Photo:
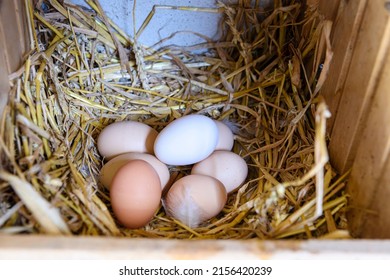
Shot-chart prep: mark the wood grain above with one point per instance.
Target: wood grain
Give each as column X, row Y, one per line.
column 344, row 35
column 329, row 8
column 20, row 10
column 9, row 21
column 99, row 248
column 369, row 185
column 366, row 64
column 13, row 42
column 377, row 224
column 4, row 69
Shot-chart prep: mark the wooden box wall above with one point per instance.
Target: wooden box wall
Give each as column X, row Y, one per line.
column 357, row 91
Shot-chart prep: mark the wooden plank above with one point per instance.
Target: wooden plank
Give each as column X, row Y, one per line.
column 9, row 21
column 99, row 248
column 14, row 42
column 364, row 70
column 344, row 35
column 329, row 8
column 369, row 185
column 20, row 10
column 377, row 224
column 4, row 81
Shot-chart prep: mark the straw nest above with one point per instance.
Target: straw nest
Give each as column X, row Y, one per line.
column 262, row 76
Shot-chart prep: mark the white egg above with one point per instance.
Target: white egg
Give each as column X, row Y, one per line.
column 186, row 140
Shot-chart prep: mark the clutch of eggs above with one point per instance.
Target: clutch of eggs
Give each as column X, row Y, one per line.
column 137, row 173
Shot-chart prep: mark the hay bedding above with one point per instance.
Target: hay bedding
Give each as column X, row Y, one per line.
column 262, row 78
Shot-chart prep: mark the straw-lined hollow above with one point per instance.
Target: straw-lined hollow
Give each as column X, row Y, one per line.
column 260, row 76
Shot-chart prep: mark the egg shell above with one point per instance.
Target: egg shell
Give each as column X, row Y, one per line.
column 226, row 166
column 194, row 199
column 135, row 194
column 186, row 140
column 225, row 137
column 110, row 168
column 127, row 136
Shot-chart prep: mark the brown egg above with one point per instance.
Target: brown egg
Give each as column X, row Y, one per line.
column 226, row 137
column 135, row 193
column 124, row 137
column 194, row 199
column 109, row 170
column 227, row 167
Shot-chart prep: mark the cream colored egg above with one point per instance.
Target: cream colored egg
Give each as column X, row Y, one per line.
column 226, row 137
column 110, row 168
column 135, row 194
column 226, row 166
column 194, row 199
column 124, row 137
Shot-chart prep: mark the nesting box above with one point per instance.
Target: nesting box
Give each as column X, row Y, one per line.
column 357, row 93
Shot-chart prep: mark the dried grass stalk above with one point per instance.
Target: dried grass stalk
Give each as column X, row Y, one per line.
column 262, row 78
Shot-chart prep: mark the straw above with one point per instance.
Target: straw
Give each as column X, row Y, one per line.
column 84, row 72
